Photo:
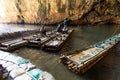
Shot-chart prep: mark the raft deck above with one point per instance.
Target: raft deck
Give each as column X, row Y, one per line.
column 82, row 61
column 57, row 43
column 38, row 40
column 12, row 44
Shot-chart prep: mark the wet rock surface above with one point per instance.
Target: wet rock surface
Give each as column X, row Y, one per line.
column 54, row 11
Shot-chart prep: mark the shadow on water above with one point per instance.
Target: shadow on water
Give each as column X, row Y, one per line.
column 83, row 36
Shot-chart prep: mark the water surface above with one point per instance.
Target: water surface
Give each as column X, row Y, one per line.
column 83, row 36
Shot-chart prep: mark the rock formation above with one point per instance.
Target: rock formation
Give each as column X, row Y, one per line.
column 54, row 11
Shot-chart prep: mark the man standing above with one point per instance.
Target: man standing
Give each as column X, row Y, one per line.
column 65, row 22
column 65, row 25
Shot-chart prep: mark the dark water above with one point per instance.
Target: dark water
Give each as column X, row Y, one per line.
column 83, row 36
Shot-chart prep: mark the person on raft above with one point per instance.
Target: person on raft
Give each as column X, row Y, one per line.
column 65, row 25
column 43, row 30
column 58, row 28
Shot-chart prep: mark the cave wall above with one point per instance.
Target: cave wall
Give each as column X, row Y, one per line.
column 54, row 11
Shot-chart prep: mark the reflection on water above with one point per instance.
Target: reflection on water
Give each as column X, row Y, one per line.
column 84, row 36
column 107, row 69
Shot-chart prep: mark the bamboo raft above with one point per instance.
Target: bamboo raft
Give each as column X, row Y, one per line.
column 12, row 44
column 57, row 43
column 11, row 41
column 16, row 68
column 38, row 40
column 84, row 60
